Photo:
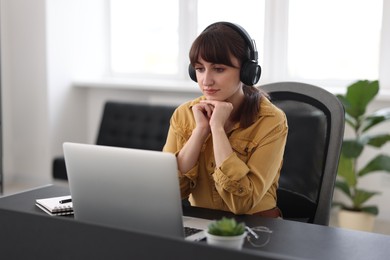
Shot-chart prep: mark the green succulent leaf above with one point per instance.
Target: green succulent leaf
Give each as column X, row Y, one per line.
column 375, row 118
column 359, row 95
column 380, row 163
column 226, row 227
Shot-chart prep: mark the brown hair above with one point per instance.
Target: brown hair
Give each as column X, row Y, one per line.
column 216, row 44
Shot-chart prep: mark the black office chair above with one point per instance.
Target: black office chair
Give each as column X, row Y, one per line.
column 128, row 125
column 316, row 128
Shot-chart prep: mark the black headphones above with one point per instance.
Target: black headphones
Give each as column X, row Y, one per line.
column 250, row 69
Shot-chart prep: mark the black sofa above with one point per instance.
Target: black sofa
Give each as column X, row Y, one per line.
column 128, row 125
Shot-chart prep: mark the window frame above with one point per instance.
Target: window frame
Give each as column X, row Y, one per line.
column 275, row 52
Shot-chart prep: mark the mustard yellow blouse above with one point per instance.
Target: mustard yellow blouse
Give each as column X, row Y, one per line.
column 246, row 182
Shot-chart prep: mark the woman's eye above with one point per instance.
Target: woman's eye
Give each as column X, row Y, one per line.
column 199, row 69
column 219, row 69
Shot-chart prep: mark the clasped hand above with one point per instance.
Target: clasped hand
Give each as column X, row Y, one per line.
column 210, row 113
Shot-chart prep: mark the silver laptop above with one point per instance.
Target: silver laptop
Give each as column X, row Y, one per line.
column 129, row 189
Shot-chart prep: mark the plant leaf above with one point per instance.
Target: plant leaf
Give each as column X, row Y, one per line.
column 353, row 148
column 377, row 140
column 343, row 100
column 361, row 196
column 343, row 186
column 226, row 227
column 370, row 209
column 359, row 94
column 375, row 118
column 380, row 163
column 350, row 121
column 346, row 170
column 338, row 204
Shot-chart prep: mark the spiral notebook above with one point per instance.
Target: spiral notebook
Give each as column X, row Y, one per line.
column 56, row 206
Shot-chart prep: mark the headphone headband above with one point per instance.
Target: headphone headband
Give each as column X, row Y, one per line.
column 250, row 69
column 253, row 55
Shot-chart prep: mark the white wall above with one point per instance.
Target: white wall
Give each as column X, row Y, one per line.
column 24, row 86
column 45, row 45
column 75, row 48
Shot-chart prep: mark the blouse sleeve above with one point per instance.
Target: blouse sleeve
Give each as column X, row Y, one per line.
column 175, row 142
column 243, row 184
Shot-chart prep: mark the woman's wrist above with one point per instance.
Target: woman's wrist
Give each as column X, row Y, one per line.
column 201, row 132
column 217, row 130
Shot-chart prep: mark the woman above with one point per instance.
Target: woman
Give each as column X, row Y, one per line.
column 229, row 142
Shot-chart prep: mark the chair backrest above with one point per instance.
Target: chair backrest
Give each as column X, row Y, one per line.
column 132, row 125
column 316, row 129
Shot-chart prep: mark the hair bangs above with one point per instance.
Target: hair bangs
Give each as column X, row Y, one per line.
column 211, row 48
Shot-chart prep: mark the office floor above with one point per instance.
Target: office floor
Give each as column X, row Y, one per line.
column 381, row 226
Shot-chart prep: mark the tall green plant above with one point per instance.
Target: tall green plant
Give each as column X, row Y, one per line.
column 355, row 101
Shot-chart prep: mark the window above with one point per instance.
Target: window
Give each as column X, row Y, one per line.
column 144, row 40
column 334, row 39
column 236, row 12
column 324, row 40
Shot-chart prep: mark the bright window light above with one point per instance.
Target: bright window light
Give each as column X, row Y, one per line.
column 334, row 39
column 321, row 41
column 247, row 13
column 144, row 37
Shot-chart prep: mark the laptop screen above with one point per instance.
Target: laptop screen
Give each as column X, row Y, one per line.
column 125, row 188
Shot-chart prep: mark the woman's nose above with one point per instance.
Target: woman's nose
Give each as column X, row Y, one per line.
column 207, row 79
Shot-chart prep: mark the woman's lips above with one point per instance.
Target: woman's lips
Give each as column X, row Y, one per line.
column 210, row 91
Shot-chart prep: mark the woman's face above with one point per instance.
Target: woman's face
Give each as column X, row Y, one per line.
column 218, row 81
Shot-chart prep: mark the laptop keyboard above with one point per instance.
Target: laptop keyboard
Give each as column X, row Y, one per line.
column 188, row 231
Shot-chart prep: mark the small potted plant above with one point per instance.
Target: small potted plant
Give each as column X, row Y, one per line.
column 357, row 214
column 226, row 232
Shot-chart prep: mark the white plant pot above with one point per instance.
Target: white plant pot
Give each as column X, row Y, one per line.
column 235, row 242
column 356, row 220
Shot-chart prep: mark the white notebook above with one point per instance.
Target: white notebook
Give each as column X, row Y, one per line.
column 56, row 206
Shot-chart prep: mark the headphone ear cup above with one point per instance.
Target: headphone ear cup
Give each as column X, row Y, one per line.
column 250, row 73
column 192, row 73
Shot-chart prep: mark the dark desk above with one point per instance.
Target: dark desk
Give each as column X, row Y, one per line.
column 26, row 232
